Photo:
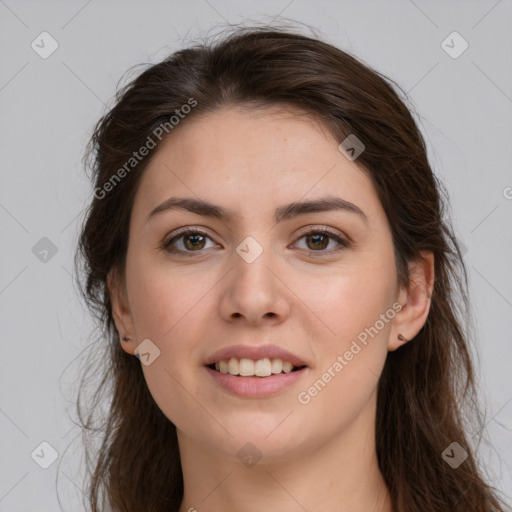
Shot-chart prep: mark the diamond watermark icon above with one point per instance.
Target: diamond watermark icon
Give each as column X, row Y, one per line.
column 146, row 352
column 44, row 45
column 249, row 249
column 44, row 250
column 351, row 147
column 454, row 45
column 249, row 454
column 44, row 455
column 455, row 455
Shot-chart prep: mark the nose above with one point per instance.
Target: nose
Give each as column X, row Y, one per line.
column 254, row 293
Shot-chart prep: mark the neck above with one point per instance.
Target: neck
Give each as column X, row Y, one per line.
column 339, row 474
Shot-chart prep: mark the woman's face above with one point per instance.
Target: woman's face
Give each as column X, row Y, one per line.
column 255, row 280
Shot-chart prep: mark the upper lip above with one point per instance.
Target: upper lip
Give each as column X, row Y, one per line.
column 255, row 353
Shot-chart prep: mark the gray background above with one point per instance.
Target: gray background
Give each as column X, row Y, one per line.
column 48, row 108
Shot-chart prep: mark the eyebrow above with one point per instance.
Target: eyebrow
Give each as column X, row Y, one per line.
column 283, row 213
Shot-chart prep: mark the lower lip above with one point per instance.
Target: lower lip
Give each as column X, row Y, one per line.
column 256, row 387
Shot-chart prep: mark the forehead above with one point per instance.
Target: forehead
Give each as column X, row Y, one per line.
column 245, row 159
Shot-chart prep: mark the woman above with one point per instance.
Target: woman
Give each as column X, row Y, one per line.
column 267, row 239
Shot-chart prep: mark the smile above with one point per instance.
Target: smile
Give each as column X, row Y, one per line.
column 252, row 385
column 249, row 368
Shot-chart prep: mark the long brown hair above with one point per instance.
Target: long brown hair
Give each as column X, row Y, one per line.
column 427, row 398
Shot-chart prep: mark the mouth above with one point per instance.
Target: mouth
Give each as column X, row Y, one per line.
column 255, row 371
column 261, row 368
column 258, row 379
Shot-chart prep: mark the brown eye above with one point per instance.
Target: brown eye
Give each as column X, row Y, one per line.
column 187, row 242
column 319, row 239
column 194, row 241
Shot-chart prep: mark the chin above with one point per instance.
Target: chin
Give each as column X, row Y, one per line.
column 274, row 440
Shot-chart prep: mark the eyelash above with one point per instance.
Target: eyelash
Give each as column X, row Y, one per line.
column 167, row 246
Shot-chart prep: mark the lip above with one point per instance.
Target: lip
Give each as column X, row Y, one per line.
column 254, row 353
column 256, row 387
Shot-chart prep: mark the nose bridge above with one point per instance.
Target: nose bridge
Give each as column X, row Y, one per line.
column 254, row 290
column 252, row 264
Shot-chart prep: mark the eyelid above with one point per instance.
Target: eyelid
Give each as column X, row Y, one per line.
column 184, row 230
column 343, row 240
column 321, row 228
column 179, row 233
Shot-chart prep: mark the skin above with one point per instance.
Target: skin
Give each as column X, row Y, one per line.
column 315, row 456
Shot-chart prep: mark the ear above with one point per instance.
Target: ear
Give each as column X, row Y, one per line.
column 415, row 301
column 121, row 311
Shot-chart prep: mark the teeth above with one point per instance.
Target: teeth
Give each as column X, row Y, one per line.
column 248, row 368
column 233, row 366
column 262, row 367
column 287, row 366
column 277, row 365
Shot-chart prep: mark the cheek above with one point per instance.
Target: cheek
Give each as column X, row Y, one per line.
column 162, row 300
column 349, row 365
column 355, row 309
column 168, row 310
column 349, row 301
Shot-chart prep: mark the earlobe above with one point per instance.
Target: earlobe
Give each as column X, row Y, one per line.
column 415, row 300
column 121, row 311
